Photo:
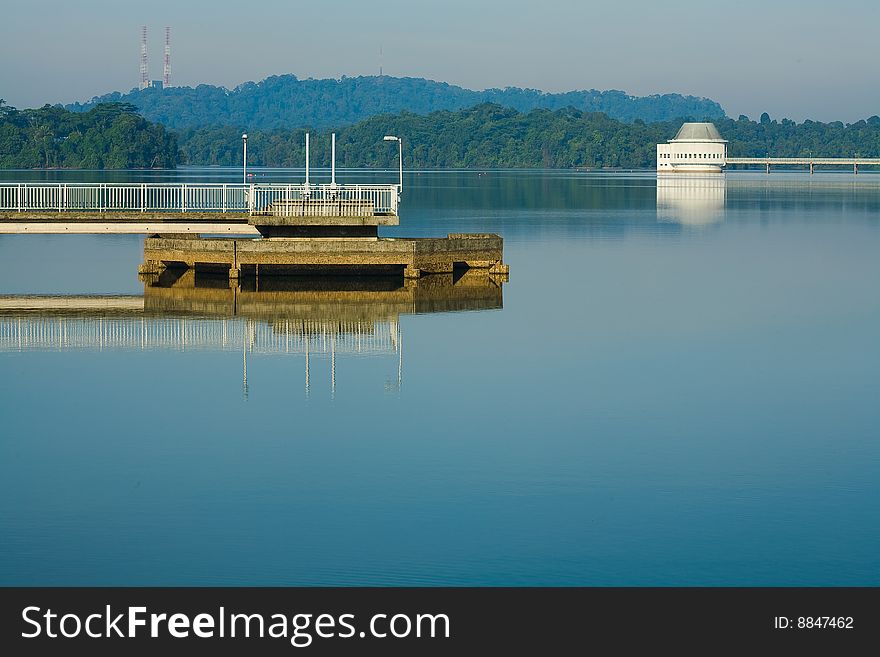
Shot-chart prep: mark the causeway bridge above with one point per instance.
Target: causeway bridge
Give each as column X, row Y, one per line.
column 811, row 162
column 219, row 208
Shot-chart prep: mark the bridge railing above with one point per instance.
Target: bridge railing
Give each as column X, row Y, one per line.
column 269, row 199
column 867, row 161
column 183, row 197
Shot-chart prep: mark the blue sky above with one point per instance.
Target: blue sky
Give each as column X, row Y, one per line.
column 801, row 59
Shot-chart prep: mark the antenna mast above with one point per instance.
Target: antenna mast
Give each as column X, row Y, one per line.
column 166, row 78
column 145, row 80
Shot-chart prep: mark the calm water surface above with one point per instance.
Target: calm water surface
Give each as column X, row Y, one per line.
column 681, row 388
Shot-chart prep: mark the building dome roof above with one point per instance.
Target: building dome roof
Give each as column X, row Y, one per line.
column 698, row 132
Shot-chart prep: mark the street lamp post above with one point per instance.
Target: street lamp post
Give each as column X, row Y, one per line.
column 244, row 159
column 307, row 164
column 400, row 155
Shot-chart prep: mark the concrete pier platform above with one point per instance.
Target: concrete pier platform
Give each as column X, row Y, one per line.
column 409, row 256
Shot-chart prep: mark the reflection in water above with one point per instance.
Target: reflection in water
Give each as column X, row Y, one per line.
column 691, row 199
column 187, row 310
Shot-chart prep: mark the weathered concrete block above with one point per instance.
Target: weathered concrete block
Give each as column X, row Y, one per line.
column 429, row 255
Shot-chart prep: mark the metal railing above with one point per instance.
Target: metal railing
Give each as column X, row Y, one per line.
column 184, row 197
column 866, row 161
column 270, row 199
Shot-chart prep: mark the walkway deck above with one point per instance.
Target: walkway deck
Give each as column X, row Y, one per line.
column 222, row 209
column 811, row 162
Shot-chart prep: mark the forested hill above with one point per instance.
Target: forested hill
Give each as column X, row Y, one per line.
column 287, row 102
column 109, row 136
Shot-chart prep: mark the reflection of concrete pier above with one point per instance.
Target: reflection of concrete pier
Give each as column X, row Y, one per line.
column 183, row 310
column 342, row 300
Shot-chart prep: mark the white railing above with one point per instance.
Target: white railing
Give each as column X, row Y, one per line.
column 866, row 161
column 267, row 199
column 184, row 197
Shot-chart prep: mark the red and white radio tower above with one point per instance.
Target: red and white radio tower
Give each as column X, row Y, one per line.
column 166, row 79
column 145, row 79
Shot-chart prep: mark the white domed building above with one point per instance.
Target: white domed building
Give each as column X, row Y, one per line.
column 697, row 148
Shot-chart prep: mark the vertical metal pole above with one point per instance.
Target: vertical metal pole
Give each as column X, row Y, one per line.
column 307, row 163
column 244, row 159
column 400, row 153
column 333, row 159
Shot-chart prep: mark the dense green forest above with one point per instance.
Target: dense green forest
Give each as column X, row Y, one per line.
column 786, row 138
column 108, row 136
column 484, row 136
column 114, row 136
column 490, row 136
column 287, row 102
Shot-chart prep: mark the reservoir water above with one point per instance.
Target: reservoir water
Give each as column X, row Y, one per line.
column 677, row 386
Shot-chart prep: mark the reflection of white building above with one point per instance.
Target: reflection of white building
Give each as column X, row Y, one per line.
column 697, row 148
column 692, row 200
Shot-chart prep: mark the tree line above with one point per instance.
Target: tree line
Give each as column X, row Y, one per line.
column 108, row 136
column 491, row 136
column 488, row 135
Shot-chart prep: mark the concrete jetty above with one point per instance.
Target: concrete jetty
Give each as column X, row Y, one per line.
column 410, row 257
column 301, row 235
column 248, row 229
